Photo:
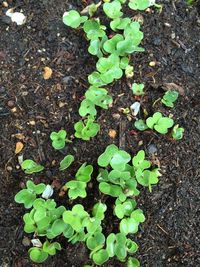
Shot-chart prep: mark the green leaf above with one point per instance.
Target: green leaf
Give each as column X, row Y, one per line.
column 73, row 19
column 139, row 5
column 140, row 125
column 87, row 107
column 108, row 189
column 37, row 255
column 99, row 210
column 99, row 96
column 151, row 121
column 110, row 245
column 132, row 247
column 87, row 129
column 138, row 89
column 58, row 227
column 95, row 79
column 119, row 23
column 177, row 132
column 93, row 29
column 95, row 240
column 119, row 160
column 104, row 159
column 66, row 162
column 58, row 139
column 30, row 166
column 25, row 197
column 51, row 248
column 113, row 9
column 128, row 226
column 100, row 257
column 139, row 161
column 110, row 46
column 76, row 189
column 169, row 98
column 138, row 215
column 84, row 173
column 133, row 262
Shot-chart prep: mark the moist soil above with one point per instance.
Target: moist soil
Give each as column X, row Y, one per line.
column 31, row 108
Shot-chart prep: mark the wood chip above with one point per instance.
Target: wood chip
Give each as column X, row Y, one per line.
column 19, row 147
column 47, row 73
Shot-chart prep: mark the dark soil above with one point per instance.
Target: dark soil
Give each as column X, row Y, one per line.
column 33, row 107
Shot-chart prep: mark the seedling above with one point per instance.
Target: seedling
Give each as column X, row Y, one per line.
column 86, row 129
column 118, row 179
column 114, row 157
column 27, row 196
column 138, row 89
column 113, row 9
column 129, row 71
column 39, row 255
column 58, row 139
column 140, row 125
column 94, row 29
column 177, row 132
column 99, row 96
column 133, row 262
column 169, row 98
column 66, row 162
column 144, row 4
column 29, row 166
column 77, row 188
column 159, row 123
column 73, row 19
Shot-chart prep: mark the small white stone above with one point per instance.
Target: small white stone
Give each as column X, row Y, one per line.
column 135, row 108
column 17, row 17
column 36, row 243
column 48, row 192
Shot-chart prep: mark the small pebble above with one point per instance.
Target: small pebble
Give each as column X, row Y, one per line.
column 11, row 103
column 152, row 149
column 26, row 241
column 9, row 168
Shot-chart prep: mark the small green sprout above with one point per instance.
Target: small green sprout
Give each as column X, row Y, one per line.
column 28, row 196
column 142, row 5
column 100, row 257
column 94, row 29
column 86, row 129
column 77, row 188
column 124, row 209
column 159, row 123
column 133, row 262
column 138, row 89
column 140, row 125
column 58, row 139
column 39, row 255
column 29, row 166
column 177, row 132
column 129, row 71
column 98, row 210
column 169, row 98
column 113, row 9
column 66, row 162
column 115, row 157
column 73, row 19
column 109, row 68
column 119, row 23
column 96, row 46
column 99, row 97
column 75, row 217
column 87, row 107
